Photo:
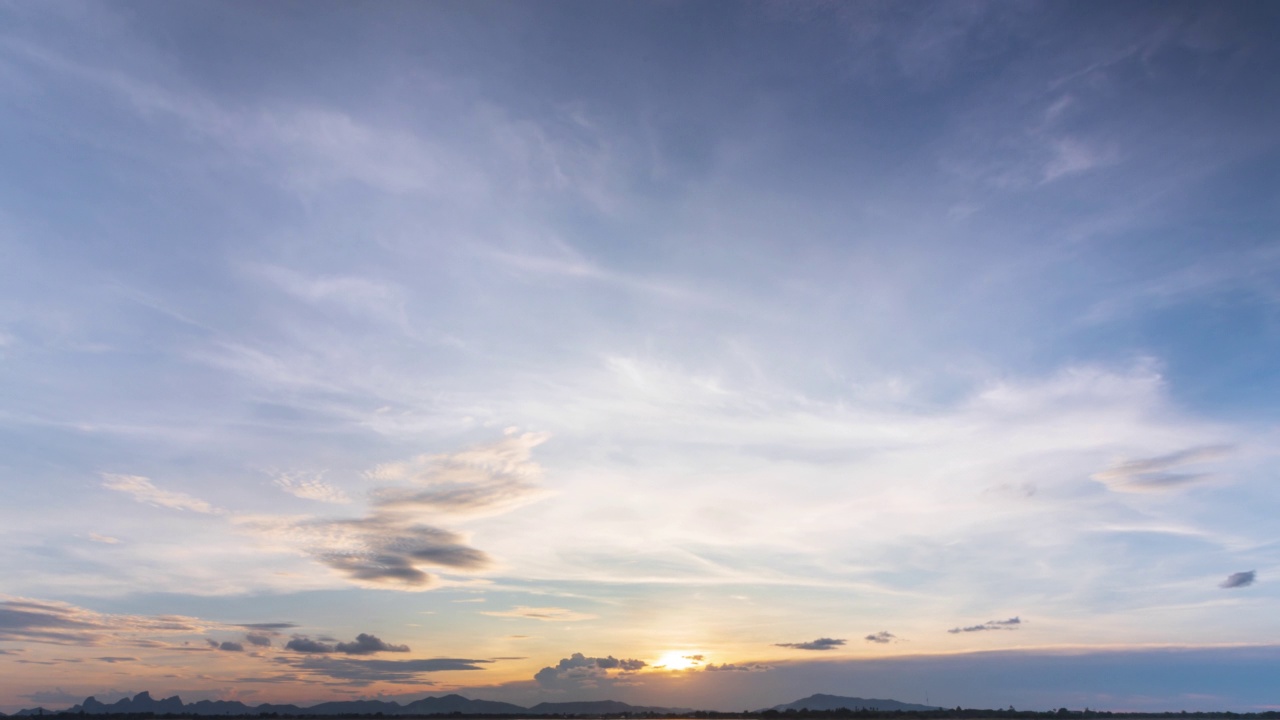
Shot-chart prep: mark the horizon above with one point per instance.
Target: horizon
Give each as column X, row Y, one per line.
column 680, row 353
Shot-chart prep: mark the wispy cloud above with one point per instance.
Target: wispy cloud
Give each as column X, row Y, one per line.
column 142, row 490
column 883, row 637
column 545, row 614
column 1152, row 474
column 311, row 487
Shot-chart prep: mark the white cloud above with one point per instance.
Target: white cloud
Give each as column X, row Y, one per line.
column 142, row 490
column 311, row 487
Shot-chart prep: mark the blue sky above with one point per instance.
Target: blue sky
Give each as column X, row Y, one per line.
column 681, row 333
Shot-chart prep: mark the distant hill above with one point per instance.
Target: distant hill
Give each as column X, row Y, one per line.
column 443, row 705
column 595, row 707
column 837, row 702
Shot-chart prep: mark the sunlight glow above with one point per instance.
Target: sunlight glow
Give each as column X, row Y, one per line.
column 677, row 660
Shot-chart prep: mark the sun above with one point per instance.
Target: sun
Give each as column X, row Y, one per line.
column 678, row 660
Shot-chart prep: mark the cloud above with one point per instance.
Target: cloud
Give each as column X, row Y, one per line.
column 729, row 667
column 1011, row 624
column 578, row 670
column 311, row 488
column 27, row 620
column 1238, row 580
column 113, row 659
column 364, row 672
column 55, row 696
column 366, row 644
column 267, row 626
column 395, row 545
column 307, row 645
column 1151, row 474
column 484, row 480
column 884, row 636
column 257, row 640
column 144, row 491
column 230, row 646
column 545, row 614
column 819, row 644
column 104, row 539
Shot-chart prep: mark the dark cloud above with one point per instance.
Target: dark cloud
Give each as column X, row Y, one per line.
column 257, row 640
column 393, row 552
column 819, row 644
column 116, row 659
column 364, row 672
column 882, row 637
column 390, row 547
column 366, row 644
column 1152, row 474
column 1240, row 579
column 1010, row 624
column 578, row 670
column 307, row 645
column 229, row 646
column 729, row 667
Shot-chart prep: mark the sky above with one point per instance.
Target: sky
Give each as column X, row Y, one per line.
column 693, row 354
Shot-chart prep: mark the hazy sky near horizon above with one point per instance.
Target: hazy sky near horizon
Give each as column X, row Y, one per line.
column 695, row 353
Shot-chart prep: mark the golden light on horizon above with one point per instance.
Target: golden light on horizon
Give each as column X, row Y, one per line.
column 677, row 660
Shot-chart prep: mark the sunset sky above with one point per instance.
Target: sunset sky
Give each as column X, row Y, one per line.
column 698, row 354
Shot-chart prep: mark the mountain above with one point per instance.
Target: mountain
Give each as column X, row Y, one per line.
column 443, row 705
column 837, row 702
column 456, row 703
column 140, row 703
column 595, row 707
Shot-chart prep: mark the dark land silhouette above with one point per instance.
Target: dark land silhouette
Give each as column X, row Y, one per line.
column 815, row 707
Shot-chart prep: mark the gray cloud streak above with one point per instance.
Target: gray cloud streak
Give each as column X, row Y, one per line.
column 823, row 643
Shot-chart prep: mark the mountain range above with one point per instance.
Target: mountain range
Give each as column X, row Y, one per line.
column 444, row 705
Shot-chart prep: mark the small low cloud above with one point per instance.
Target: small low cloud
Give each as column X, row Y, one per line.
column 104, row 539
column 1239, row 580
column 823, row 643
column 1155, row 474
column 229, row 646
column 579, row 671
column 113, row 659
column 1012, row 623
column 730, row 667
column 366, row 644
column 307, row 645
column 142, row 490
column 545, row 614
column 882, row 637
column 257, row 640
